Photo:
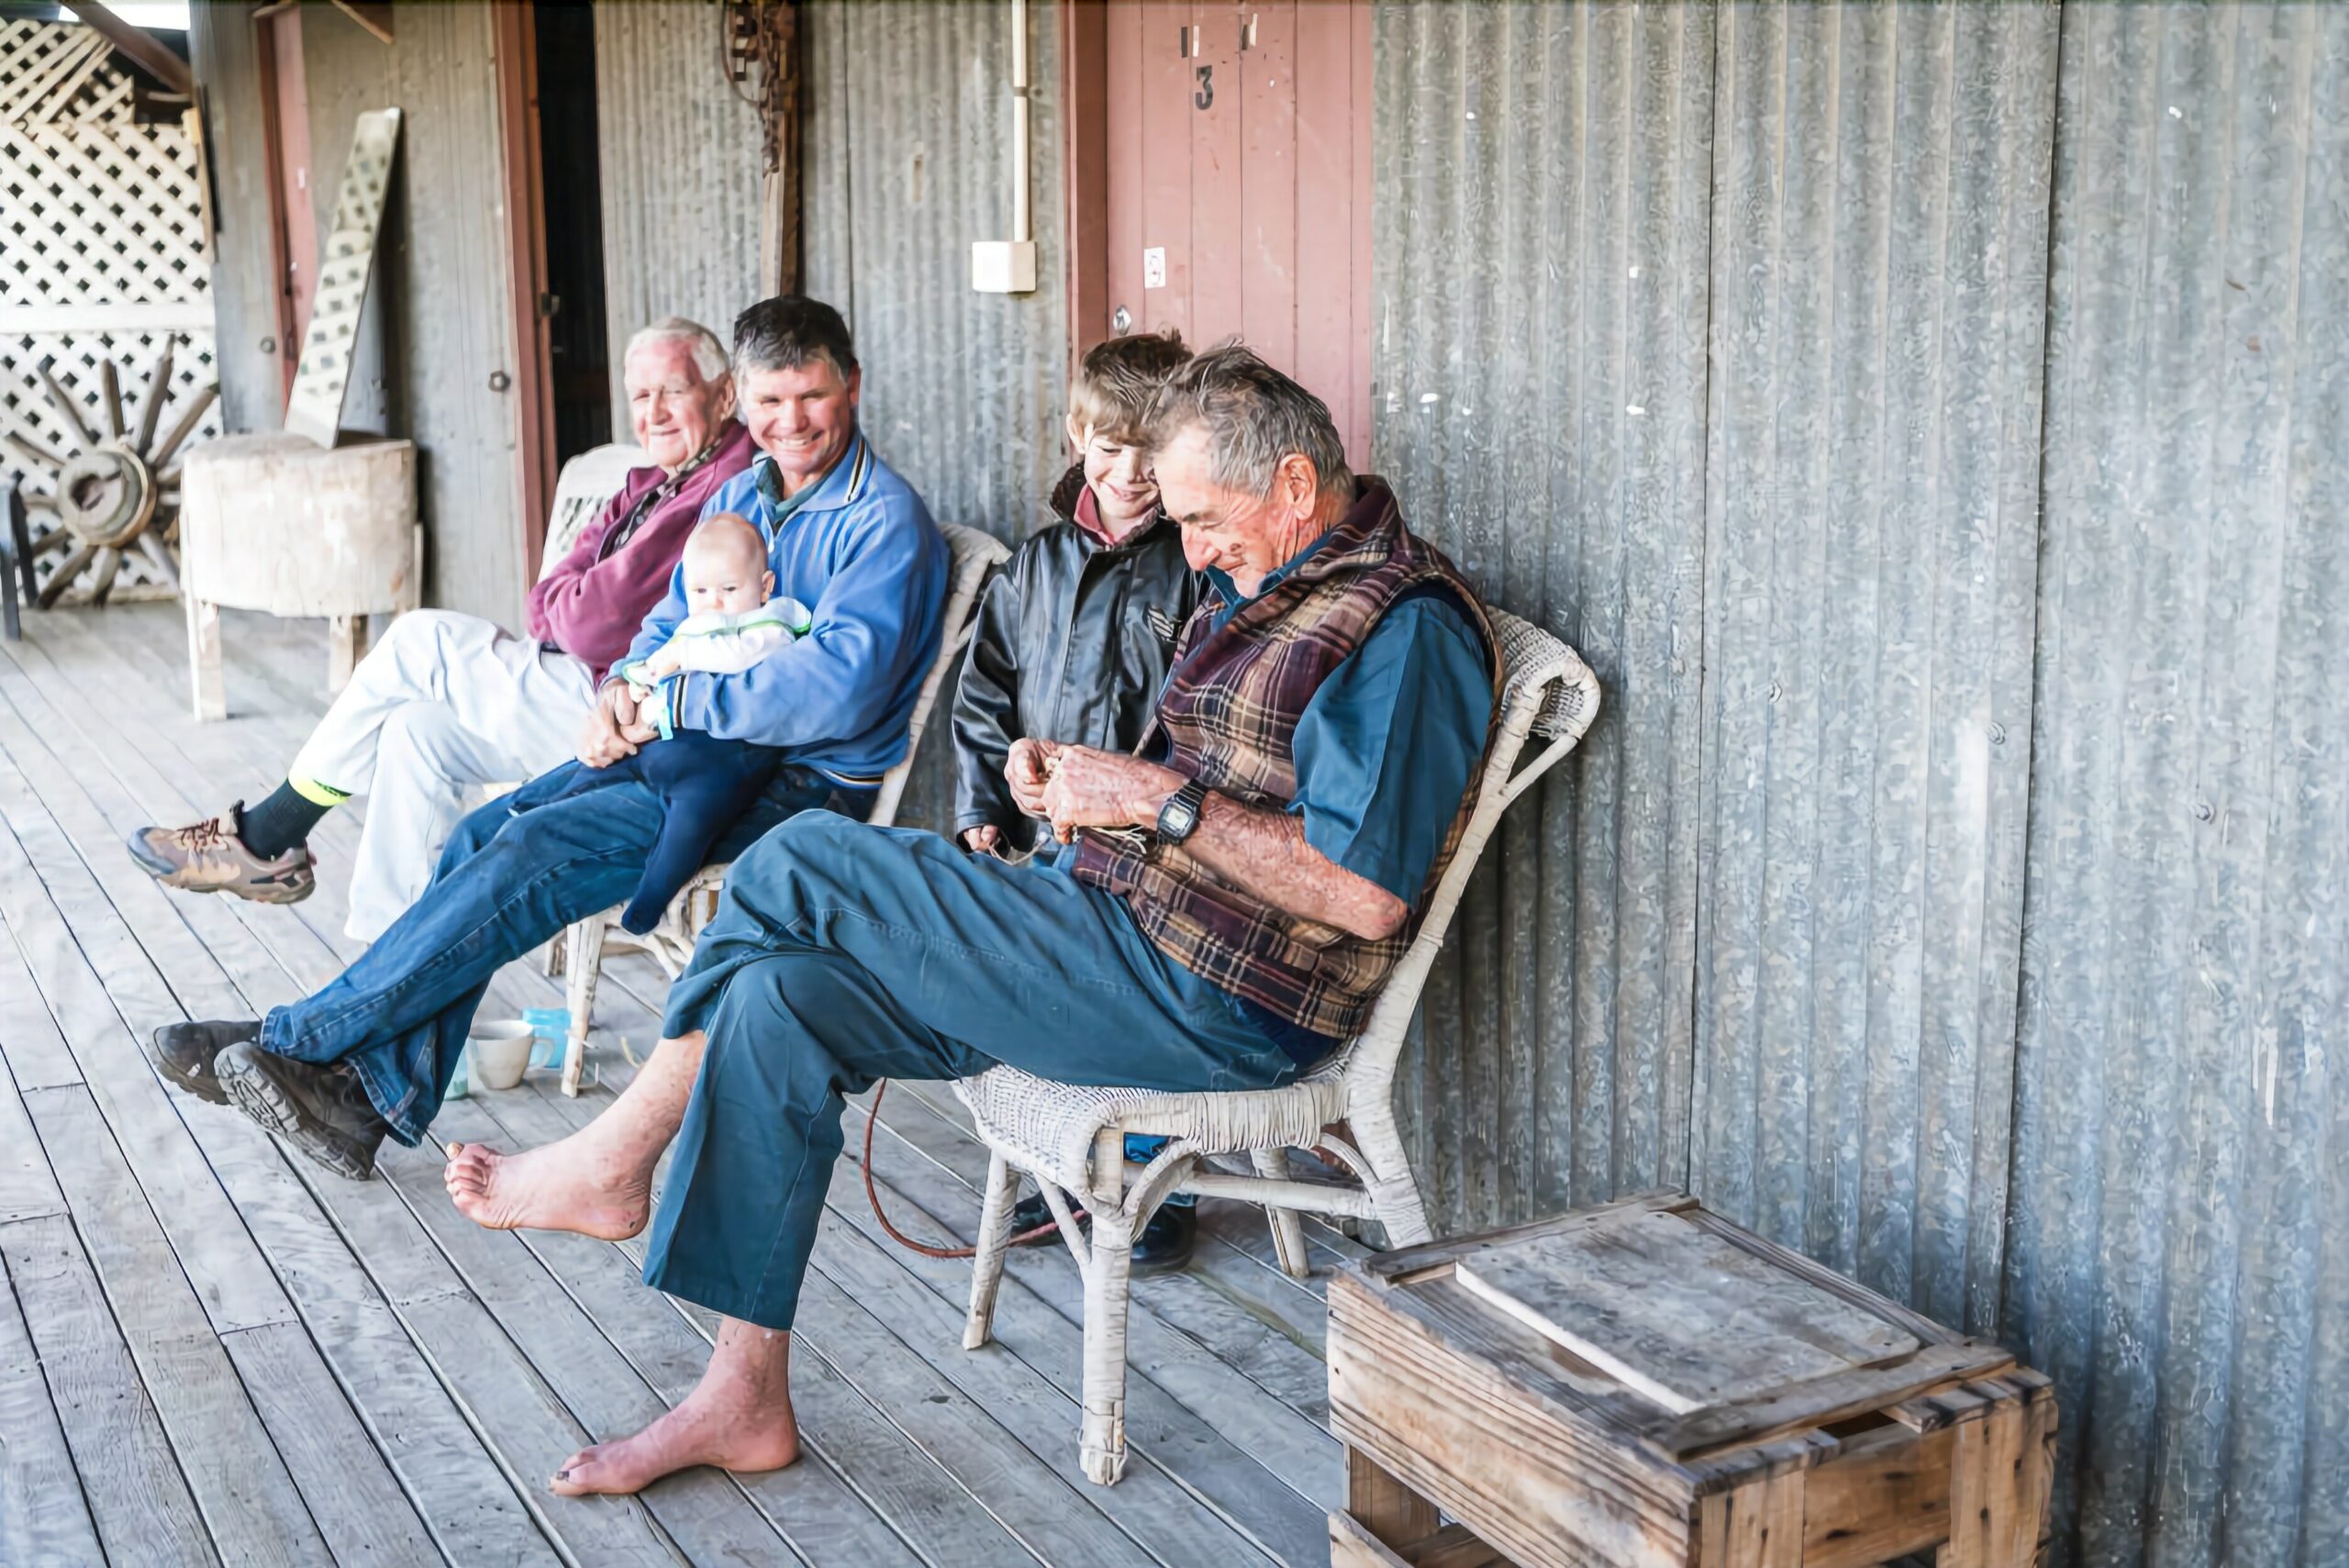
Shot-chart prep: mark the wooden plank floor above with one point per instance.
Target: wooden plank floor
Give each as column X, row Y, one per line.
column 209, row 1352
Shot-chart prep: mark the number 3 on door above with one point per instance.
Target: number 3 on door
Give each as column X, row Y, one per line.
column 1206, row 94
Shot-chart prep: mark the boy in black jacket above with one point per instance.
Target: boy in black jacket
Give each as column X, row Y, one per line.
column 1072, row 646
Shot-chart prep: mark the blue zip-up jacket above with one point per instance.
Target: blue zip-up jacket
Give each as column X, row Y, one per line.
column 861, row 552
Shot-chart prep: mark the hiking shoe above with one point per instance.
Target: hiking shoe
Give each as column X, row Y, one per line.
column 208, row 857
column 322, row 1111
column 184, row 1054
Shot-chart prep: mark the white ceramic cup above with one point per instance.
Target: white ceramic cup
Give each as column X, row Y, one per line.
column 500, row 1049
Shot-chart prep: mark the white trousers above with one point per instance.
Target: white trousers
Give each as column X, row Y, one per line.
column 443, row 702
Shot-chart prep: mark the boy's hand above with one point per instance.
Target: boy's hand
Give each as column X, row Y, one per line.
column 609, row 735
column 982, row 839
column 1027, row 768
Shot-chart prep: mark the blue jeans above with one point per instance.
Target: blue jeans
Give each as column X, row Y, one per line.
column 514, row 874
column 843, row 953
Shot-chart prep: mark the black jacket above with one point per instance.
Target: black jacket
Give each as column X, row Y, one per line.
column 1071, row 645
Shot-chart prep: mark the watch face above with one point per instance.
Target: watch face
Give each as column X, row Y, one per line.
column 1178, row 816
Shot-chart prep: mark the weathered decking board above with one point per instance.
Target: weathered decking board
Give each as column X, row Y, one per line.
column 210, row 1352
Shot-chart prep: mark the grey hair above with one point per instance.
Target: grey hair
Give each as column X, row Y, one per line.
column 1254, row 417
column 709, row 354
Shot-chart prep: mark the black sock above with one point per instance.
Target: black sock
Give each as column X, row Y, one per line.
column 279, row 823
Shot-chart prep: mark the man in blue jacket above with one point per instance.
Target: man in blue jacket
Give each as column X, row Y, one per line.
column 374, row 1051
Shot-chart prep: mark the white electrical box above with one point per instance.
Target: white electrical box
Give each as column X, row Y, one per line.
column 1003, row 266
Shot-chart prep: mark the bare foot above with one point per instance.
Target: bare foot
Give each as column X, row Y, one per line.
column 731, row 1430
column 577, row 1184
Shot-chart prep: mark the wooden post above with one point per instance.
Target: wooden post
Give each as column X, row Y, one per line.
column 204, row 660
column 779, row 186
column 346, row 645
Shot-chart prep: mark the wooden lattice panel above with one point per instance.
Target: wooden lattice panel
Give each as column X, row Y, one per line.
column 101, row 260
column 51, row 71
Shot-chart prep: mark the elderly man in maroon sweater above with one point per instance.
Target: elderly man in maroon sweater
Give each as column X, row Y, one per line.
column 445, row 700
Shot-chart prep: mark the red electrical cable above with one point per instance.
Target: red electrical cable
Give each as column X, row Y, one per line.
column 873, row 1195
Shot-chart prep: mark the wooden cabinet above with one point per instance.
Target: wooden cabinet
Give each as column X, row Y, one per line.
column 1648, row 1385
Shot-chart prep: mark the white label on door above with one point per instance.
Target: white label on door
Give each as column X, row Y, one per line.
column 1154, row 267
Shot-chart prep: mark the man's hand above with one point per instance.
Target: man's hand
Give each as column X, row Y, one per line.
column 609, row 736
column 1103, row 789
column 982, row 839
column 1027, row 768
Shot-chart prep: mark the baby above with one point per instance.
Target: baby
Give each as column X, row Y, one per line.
column 704, row 784
column 733, row 622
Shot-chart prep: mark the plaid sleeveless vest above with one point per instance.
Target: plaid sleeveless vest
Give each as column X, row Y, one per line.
column 1230, row 713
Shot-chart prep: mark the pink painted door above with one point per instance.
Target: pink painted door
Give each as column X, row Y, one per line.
column 1238, row 181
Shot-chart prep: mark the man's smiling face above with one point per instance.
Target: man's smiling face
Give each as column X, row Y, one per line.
column 802, row 418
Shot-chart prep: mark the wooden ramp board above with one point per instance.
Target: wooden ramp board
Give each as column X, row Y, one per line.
column 1682, row 1317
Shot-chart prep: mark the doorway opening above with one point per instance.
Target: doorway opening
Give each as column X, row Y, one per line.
column 577, row 342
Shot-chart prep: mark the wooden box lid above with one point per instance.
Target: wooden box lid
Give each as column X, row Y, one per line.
column 1660, row 1323
column 1677, row 1313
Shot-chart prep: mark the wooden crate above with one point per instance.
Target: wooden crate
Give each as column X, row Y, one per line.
column 1647, row 1384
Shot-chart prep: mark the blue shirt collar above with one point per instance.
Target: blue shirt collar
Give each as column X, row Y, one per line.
column 1228, row 592
column 844, row 482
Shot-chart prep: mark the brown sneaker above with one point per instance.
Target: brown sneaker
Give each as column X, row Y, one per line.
column 208, row 857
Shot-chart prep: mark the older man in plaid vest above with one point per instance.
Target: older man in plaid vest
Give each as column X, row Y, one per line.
column 1228, row 903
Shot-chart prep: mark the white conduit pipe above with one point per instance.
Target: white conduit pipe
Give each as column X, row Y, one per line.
column 1020, row 216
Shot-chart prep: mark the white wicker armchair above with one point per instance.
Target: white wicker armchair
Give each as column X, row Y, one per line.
column 670, row 943
column 1072, row 1139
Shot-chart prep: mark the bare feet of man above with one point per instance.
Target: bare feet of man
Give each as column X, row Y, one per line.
column 738, row 1417
column 581, row 1184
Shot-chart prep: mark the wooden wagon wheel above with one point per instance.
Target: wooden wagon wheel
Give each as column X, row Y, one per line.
column 117, row 491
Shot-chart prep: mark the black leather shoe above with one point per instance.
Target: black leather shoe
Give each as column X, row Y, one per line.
column 183, row 1053
column 1032, row 1211
column 1165, row 1243
column 321, row 1111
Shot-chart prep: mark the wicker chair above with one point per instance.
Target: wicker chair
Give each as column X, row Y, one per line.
column 670, row 943
column 1072, row 1139
column 582, row 491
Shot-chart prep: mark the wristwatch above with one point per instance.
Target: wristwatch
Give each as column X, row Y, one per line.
column 1180, row 815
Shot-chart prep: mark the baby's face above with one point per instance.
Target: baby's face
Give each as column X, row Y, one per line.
column 723, row 581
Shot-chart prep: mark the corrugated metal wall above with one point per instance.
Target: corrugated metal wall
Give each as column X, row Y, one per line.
column 1538, row 313
column 908, row 160
column 1879, row 271
column 1954, row 886
column 2179, row 1253
column 679, row 146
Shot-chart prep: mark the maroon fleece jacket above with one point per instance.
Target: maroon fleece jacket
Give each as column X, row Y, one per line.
column 591, row 607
